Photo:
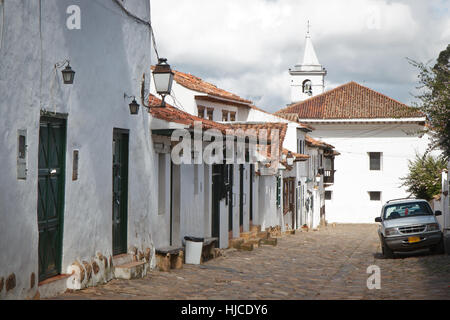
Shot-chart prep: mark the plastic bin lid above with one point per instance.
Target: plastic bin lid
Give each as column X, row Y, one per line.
column 193, row 239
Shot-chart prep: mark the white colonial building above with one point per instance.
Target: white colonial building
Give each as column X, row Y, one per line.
column 77, row 168
column 375, row 135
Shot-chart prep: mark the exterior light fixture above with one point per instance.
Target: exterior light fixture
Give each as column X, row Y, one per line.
column 318, row 178
column 163, row 77
column 134, row 106
column 68, row 74
column 290, row 159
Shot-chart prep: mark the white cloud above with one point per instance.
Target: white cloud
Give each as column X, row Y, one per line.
column 248, row 46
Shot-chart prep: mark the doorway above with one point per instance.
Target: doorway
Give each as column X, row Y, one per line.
column 120, row 191
column 50, row 208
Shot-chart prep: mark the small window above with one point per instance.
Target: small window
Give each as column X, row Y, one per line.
column 232, row 116
column 224, row 115
column 209, row 113
column 201, row 111
column 375, row 195
column 375, row 161
column 76, row 157
column 328, row 195
column 301, row 146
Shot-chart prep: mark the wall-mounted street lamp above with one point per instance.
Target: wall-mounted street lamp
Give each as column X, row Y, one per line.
column 134, row 106
column 68, row 74
column 163, row 77
column 318, row 178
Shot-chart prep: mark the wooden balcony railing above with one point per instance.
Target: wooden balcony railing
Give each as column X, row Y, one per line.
column 328, row 176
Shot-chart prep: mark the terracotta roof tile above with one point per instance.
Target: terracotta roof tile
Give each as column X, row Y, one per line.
column 298, row 156
column 269, row 126
column 172, row 114
column 317, row 143
column 195, row 83
column 351, row 101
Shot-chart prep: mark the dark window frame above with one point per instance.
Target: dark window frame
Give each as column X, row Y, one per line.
column 373, row 158
column 375, row 195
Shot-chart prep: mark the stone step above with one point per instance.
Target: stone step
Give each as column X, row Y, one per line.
column 53, row 287
column 269, row 241
column 256, row 228
column 256, row 242
column 128, row 271
column 248, row 235
column 247, row 246
column 122, row 259
column 262, row 235
column 235, row 243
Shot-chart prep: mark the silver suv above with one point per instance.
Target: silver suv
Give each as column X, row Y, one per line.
column 408, row 225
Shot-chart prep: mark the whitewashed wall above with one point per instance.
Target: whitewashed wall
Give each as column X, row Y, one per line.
column 353, row 179
column 109, row 54
column 269, row 214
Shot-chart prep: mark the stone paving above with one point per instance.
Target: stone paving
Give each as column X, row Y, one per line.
column 327, row 264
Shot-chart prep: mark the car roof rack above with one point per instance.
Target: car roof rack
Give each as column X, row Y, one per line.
column 401, row 199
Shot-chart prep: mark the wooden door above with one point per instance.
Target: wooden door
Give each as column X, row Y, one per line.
column 52, row 151
column 241, row 197
column 217, row 185
column 252, row 172
column 120, row 191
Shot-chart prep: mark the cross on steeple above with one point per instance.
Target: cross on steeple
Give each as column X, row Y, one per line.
column 308, row 26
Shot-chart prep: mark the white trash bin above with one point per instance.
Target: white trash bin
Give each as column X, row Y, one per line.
column 193, row 252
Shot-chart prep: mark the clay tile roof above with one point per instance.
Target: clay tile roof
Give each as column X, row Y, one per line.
column 172, row 114
column 290, row 117
column 269, row 126
column 195, row 83
column 298, row 156
column 351, row 101
column 294, row 118
column 317, row 143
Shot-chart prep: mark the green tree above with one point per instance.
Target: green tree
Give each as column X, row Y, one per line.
column 435, row 99
column 424, row 178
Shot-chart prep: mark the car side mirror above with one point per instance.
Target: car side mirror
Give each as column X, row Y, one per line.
column 438, row 213
column 378, row 219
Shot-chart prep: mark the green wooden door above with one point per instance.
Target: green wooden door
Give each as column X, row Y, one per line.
column 52, row 143
column 120, row 191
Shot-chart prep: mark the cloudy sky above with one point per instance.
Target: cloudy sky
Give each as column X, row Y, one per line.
column 247, row 46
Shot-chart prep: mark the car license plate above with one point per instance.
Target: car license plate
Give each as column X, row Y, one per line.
column 413, row 239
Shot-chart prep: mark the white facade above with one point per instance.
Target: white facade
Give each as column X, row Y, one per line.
column 397, row 142
column 109, row 54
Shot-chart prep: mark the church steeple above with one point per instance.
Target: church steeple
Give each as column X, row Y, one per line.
column 307, row 76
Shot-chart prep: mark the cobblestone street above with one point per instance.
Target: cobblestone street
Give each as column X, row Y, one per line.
column 327, row 264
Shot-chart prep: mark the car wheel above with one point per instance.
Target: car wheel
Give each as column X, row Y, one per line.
column 387, row 253
column 438, row 248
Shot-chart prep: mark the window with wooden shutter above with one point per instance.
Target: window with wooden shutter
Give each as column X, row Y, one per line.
column 209, row 113
column 278, row 192
column 224, row 115
column 285, row 195
column 375, row 161
column 201, row 111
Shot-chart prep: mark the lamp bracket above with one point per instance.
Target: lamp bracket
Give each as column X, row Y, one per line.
column 125, row 96
column 62, row 64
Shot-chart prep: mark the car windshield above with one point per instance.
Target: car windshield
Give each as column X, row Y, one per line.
column 403, row 210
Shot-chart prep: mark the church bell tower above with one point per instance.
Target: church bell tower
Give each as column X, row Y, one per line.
column 307, row 77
